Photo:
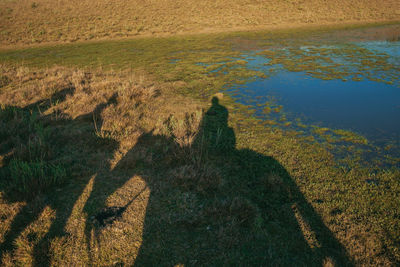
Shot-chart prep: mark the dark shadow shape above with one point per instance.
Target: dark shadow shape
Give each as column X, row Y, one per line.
column 169, row 241
column 108, row 215
column 55, row 98
column 24, row 113
column 107, row 184
column 57, row 229
column 62, row 200
column 214, row 131
column 188, row 240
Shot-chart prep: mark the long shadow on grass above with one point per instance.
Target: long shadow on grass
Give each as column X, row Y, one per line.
column 21, row 123
column 210, row 203
column 44, row 148
column 214, row 204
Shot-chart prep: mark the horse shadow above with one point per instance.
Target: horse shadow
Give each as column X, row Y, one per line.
column 246, row 207
column 209, row 203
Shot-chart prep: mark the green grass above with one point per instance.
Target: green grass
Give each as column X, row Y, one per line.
column 31, row 178
column 30, row 171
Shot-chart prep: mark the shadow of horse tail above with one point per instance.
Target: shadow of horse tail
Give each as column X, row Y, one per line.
column 109, row 214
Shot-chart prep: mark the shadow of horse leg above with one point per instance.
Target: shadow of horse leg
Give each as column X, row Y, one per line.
column 28, row 214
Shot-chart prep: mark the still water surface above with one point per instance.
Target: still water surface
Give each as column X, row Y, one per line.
column 364, row 97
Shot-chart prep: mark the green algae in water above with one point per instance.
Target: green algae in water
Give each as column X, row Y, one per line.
column 354, row 64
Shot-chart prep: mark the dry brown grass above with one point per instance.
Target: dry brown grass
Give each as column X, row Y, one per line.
column 138, row 105
column 132, row 90
column 29, row 22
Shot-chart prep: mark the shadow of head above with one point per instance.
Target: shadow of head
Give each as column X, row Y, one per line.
column 54, row 99
column 215, row 100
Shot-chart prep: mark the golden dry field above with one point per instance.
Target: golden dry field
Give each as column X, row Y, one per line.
column 26, row 22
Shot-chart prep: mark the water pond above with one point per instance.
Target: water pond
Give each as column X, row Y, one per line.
column 341, row 86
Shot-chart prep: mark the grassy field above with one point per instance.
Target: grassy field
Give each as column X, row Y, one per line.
column 121, row 157
column 129, row 152
column 30, row 22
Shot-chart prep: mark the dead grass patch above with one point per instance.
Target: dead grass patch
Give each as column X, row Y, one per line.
column 31, row 22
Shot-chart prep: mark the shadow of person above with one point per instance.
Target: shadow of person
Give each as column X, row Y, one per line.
column 256, row 215
column 70, row 148
column 214, row 130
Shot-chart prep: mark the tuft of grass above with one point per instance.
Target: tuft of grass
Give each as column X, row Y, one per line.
column 27, row 169
column 32, row 178
column 205, row 179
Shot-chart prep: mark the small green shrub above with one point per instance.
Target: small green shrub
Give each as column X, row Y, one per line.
column 7, row 113
column 24, row 131
column 30, row 178
column 27, row 169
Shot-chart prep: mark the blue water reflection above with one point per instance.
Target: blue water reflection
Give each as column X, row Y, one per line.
column 369, row 106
